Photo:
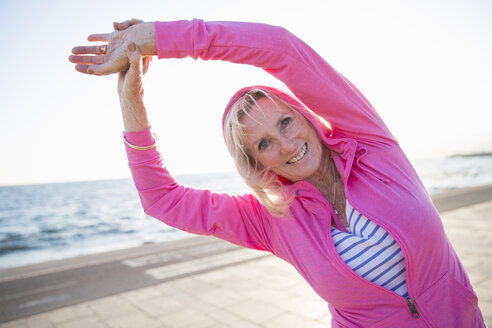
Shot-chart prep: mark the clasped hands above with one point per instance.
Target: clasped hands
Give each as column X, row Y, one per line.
column 111, row 59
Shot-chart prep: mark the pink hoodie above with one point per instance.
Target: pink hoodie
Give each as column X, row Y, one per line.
column 379, row 182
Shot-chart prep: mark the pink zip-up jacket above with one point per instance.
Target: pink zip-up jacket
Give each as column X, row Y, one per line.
column 379, row 182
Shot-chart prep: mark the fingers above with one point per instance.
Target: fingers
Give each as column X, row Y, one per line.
column 126, row 24
column 133, row 77
column 134, row 72
column 83, row 50
column 102, row 69
column 145, row 63
column 89, row 69
column 82, row 68
column 99, row 37
column 133, row 55
column 91, row 60
column 135, row 21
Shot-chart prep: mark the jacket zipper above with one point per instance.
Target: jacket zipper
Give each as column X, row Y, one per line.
column 410, row 302
column 413, row 309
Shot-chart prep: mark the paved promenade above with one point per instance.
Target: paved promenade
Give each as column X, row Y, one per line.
column 259, row 291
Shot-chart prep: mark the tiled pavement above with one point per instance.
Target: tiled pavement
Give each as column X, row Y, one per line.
column 265, row 293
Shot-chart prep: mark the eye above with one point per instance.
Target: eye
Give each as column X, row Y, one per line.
column 263, row 145
column 285, row 122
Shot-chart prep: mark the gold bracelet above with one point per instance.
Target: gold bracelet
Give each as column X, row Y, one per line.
column 139, row 147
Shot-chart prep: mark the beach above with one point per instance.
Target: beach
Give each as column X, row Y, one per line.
column 205, row 282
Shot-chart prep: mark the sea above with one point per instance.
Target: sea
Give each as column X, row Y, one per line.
column 55, row 221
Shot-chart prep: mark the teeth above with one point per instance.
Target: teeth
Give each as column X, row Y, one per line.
column 298, row 157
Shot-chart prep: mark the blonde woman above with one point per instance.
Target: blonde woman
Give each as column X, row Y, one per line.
column 333, row 193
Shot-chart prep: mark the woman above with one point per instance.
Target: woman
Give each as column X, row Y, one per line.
column 334, row 195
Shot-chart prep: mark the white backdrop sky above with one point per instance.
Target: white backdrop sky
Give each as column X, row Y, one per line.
column 424, row 65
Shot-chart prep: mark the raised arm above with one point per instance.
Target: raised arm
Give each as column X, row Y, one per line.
column 286, row 57
column 271, row 48
column 237, row 219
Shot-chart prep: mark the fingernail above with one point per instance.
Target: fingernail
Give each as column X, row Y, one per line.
column 131, row 47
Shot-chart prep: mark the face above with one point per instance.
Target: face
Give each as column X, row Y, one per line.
column 282, row 140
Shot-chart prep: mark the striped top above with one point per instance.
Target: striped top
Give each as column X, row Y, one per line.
column 371, row 252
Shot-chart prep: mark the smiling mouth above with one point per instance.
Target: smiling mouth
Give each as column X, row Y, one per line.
column 298, row 157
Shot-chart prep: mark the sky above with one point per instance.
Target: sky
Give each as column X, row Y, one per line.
column 424, row 65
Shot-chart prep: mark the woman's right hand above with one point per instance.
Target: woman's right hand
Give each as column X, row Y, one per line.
column 91, row 60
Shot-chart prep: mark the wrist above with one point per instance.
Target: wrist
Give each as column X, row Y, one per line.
column 134, row 114
column 133, row 121
column 145, row 38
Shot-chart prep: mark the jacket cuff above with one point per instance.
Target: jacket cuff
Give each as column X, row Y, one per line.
column 140, row 138
column 174, row 39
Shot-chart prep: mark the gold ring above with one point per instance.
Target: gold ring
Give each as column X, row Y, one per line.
column 103, row 48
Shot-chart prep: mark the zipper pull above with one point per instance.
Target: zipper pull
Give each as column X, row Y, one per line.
column 413, row 308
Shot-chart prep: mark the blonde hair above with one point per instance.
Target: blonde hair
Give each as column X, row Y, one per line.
column 265, row 184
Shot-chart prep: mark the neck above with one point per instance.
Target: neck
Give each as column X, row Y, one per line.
column 326, row 175
column 329, row 183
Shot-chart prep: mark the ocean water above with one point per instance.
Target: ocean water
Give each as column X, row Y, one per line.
column 55, row 221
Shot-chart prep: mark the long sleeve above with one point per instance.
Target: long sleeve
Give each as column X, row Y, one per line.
column 280, row 53
column 237, row 219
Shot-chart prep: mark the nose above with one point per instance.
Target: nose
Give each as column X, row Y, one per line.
column 287, row 146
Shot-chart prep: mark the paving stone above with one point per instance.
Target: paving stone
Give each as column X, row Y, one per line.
column 194, row 283
column 475, row 253
column 134, row 320
column 187, row 318
column 325, row 320
column 83, row 322
column 39, row 321
column 304, row 290
column 237, row 284
column 112, row 307
column 279, row 282
column 20, row 323
column 245, row 324
column 142, row 294
column 483, row 292
column 69, row 313
column 220, row 297
column 486, row 308
column 188, row 298
column 254, row 311
column 214, row 276
column 250, row 271
column 265, row 295
column 291, row 321
column 224, row 317
column 159, row 306
column 304, row 307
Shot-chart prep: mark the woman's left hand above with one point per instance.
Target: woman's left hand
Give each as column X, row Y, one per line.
column 130, row 89
column 123, row 26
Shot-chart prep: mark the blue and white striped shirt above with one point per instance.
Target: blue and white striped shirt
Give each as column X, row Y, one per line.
column 371, row 252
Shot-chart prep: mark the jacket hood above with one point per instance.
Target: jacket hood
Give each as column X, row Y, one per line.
column 343, row 148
